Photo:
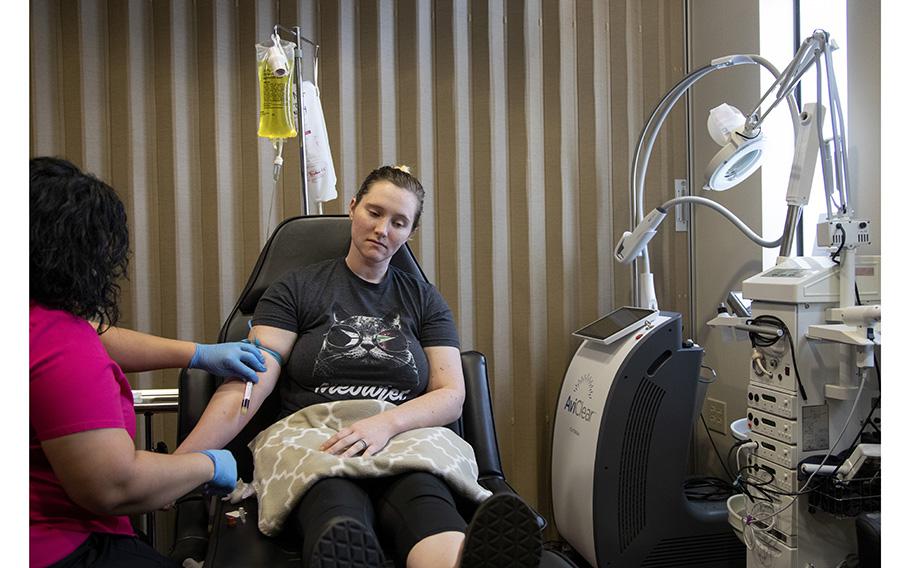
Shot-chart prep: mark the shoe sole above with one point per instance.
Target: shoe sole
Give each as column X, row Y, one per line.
column 346, row 543
column 502, row 534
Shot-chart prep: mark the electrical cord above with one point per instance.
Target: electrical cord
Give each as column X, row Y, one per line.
column 878, row 376
column 878, row 371
column 757, row 365
column 716, row 451
column 843, row 240
column 868, row 422
column 708, row 488
column 765, row 340
column 744, row 484
column 696, row 200
column 732, row 449
column 747, row 445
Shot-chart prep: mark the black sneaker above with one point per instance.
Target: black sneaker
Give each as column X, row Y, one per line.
column 346, row 543
column 502, row 534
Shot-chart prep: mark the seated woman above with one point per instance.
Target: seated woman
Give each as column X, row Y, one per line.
column 357, row 327
column 85, row 474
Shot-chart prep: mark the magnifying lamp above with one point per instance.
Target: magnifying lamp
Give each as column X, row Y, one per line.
column 740, row 155
column 742, row 148
column 735, row 162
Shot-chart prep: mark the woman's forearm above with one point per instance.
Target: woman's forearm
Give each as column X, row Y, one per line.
column 159, row 479
column 222, row 420
column 438, row 407
column 103, row 472
column 441, row 404
column 134, row 351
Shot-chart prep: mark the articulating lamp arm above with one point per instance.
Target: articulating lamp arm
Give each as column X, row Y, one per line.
column 643, row 283
column 633, row 243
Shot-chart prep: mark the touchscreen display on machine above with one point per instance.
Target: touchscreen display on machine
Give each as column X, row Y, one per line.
column 616, row 324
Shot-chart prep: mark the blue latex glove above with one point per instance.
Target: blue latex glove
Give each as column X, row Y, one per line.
column 225, row 478
column 229, row 360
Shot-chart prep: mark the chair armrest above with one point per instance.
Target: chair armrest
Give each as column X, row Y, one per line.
column 477, row 418
column 191, row 530
column 244, row 545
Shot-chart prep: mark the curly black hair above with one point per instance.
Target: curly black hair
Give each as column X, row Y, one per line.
column 78, row 241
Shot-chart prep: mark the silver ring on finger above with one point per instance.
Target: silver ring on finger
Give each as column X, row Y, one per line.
column 365, row 445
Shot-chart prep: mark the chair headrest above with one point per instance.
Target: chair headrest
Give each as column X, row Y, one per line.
column 301, row 241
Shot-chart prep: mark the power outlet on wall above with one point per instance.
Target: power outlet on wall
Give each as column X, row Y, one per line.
column 716, row 415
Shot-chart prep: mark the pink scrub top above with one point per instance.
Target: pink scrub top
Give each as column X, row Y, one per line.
column 74, row 386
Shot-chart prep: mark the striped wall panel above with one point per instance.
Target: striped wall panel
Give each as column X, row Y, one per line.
column 519, row 116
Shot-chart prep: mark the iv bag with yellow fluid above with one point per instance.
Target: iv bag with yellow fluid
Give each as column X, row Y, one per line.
column 275, row 66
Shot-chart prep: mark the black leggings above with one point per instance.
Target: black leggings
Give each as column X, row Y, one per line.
column 102, row 550
column 405, row 508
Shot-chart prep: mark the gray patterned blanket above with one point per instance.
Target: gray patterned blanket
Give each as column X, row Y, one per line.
column 287, row 459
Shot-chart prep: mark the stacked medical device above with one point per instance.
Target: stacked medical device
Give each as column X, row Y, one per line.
column 813, row 324
column 813, row 388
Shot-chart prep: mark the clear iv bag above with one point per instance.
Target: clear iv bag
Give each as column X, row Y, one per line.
column 276, row 95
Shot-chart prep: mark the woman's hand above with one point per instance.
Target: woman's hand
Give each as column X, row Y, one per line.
column 365, row 437
column 235, row 359
column 440, row 405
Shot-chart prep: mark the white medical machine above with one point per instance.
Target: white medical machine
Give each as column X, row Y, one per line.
column 620, row 448
column 813, row 375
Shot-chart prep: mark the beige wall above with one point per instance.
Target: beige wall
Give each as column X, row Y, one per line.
column 519, row 117
column 864, row 128
column 723, row 257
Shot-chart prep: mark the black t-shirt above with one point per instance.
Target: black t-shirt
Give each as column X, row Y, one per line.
column 356, row 339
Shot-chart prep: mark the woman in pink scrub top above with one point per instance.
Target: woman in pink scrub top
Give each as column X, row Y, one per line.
column 85, row 475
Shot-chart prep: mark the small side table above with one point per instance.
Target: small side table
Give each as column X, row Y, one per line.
column 150, row 402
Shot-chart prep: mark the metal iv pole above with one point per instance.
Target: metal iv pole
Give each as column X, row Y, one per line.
column 301, row 109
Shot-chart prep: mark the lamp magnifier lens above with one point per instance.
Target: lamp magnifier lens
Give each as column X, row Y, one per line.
column 742, row 164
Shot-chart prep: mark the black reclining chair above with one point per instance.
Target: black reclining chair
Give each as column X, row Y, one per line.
column 201, row 527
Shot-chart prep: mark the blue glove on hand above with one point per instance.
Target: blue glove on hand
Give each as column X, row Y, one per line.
column 225, row 478
column 229, row 360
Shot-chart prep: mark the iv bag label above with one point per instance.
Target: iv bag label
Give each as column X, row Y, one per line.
column 815, row 428
column 274, row 96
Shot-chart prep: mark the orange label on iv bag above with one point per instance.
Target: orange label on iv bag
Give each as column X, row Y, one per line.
column 276, row 103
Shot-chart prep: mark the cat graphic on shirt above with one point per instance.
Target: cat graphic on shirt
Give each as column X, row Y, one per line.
column 364, row 349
